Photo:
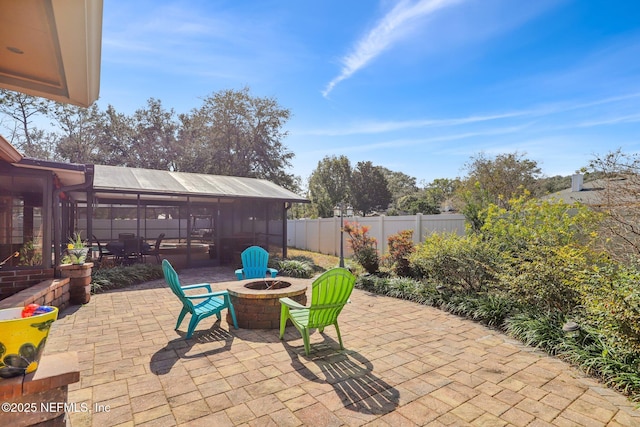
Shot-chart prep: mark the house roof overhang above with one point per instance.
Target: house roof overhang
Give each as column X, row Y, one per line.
column 52, row 48
column 69, row 174
column 8, row 152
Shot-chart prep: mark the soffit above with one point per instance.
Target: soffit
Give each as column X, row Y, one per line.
column 8, row 152
column 51, row 48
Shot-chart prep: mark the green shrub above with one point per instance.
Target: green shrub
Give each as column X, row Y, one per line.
column 538, row 329
column 295, row 268
column 400, row 287
column 546, row 247
column 309, row 261
column 403, row 287
column 363, row 247
column 493, row 309
column 122, row 276
column 611, row 300
column 547, row 278
column 534, row 223
column 30, row 253
column 464, row 263
column 401, row 247
column 460, row 304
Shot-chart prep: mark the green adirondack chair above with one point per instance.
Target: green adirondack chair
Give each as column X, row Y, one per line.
column 211, row 304
column 329, row 293
column 254, row 264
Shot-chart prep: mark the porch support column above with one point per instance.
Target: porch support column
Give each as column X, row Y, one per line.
column 188, row 232
column 285, row 207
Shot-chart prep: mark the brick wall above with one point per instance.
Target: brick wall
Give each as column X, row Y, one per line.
column 48, row 292
column 48, row 384
column 14, row 281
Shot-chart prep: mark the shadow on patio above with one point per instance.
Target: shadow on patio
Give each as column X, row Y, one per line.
column 182, row 349
column 351, row 376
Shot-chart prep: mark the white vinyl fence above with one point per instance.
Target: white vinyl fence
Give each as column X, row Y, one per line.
column 323, row 235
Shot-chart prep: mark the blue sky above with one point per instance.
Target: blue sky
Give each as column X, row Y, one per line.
column 417, row 86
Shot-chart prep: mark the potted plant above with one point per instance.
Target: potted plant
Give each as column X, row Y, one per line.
column 76, row 250
column 31, row 253
column 77, row 270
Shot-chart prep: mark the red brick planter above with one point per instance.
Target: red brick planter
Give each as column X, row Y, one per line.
column 79, row 281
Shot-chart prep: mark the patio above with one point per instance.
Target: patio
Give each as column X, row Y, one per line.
column 404, row 364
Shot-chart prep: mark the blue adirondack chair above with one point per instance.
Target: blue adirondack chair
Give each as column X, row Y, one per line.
column 329, row 293
column 254, row 264
column 211, row 304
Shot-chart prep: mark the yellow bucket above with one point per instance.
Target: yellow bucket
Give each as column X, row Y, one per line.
column 22, row 340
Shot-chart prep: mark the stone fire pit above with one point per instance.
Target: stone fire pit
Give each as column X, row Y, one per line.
column 256, row 301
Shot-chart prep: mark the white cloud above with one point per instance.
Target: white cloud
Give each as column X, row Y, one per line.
column 392, row 27
column 551, row 110
column 373, row 127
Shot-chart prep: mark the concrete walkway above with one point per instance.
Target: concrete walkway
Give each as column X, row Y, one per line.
column 404, row 364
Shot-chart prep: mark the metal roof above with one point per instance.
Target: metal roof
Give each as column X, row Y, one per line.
column 116, row 182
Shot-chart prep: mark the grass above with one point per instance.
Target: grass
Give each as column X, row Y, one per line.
column 326, row 262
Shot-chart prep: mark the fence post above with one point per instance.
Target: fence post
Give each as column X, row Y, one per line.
column 383, row 241
column 306, row 234
column 418, row 229
column 336, row 236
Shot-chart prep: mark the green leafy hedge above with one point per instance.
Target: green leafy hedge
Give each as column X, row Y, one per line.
column 122, row 276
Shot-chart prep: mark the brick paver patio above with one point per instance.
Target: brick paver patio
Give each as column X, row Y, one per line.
column 404, row 364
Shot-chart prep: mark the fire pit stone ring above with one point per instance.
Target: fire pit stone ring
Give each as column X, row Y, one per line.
column 257, row 301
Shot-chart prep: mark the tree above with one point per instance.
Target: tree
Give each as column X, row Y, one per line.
column 369, row 190
column 78, row 143
column 115, row 137
column 495, row 181
column 618, row 200
column 234, row 133
column 417, row 203
column 399, row 184
column 504, row 177
column 23, row 109
column 553, row 184
column 329, row 184
column 154, row 144
column 44, row 145
column 442, row 190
